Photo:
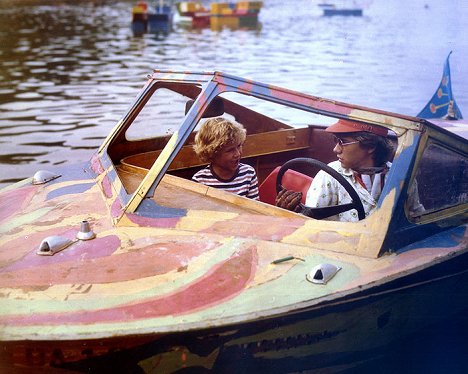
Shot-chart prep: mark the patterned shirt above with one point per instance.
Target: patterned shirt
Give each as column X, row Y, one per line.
column 243, row 183
column 326, row 191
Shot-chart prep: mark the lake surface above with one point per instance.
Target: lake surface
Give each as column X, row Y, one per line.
column 69, row 69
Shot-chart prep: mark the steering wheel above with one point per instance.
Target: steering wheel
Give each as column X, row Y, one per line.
column 328, row 211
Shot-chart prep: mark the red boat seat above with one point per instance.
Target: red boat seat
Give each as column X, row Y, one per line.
column 292, row 180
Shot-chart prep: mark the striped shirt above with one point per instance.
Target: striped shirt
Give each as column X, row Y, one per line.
column 243, row 183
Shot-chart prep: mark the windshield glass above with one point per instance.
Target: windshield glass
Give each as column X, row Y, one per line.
column 162, row 115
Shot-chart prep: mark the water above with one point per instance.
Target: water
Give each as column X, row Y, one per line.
column 69, row 69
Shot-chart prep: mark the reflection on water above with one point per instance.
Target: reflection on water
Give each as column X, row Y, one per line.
column 70, row 69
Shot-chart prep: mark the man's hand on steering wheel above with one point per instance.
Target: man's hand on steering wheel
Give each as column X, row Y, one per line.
column 289, row 200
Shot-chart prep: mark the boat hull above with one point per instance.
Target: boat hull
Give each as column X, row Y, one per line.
column 342, row 12
column 340, row 332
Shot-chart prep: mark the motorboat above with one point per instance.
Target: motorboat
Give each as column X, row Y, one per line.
column 124, row 263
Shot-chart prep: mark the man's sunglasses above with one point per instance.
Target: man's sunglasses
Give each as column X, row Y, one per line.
column 340, row 141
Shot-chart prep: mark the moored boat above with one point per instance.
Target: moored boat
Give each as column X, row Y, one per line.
column 125, row 263
column 329, row 12
column 334, row 9
column 234, row 15
column 157, row 20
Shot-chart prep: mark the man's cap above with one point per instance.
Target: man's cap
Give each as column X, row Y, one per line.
column 348, row 126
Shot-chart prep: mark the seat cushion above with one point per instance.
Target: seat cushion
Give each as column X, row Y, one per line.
column 292, row 180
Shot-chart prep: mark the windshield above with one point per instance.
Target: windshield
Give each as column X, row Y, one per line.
column 159, row 141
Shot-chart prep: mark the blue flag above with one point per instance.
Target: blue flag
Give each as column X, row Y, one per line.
column 442, row 104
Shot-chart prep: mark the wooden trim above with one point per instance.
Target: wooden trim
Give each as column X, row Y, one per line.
column 255, row 145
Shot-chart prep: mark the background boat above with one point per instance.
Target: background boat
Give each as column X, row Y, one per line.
column 341, row 8
column 233, row 15
column 153, row 20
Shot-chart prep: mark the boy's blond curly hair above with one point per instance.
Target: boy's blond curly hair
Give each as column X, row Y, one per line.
column 214, row 134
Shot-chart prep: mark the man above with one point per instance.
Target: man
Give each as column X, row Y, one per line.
column 363, row 153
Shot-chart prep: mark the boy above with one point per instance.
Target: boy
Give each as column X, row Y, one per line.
column 219, row 143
